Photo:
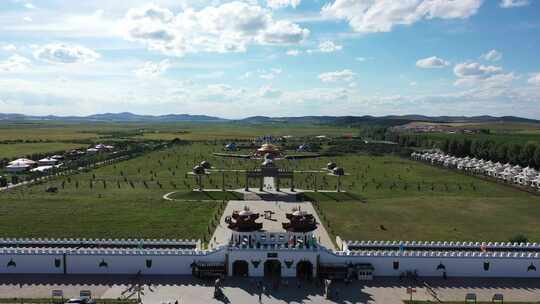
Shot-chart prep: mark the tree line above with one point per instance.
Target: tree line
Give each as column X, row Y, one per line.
column 527, row 154
column 523, row 154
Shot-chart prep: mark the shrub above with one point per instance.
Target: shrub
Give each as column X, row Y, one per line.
column 519, row 238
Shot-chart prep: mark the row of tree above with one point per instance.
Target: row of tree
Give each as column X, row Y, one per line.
column 522, row 154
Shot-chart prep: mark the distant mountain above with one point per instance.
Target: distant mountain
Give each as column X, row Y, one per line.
column 114, row 117
column 390, row 120
column 385, row 120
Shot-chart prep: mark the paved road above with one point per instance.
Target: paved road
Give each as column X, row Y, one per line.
column 164, row 289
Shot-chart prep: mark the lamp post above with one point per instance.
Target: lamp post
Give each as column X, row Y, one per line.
column 199, row 171
column 338, row 172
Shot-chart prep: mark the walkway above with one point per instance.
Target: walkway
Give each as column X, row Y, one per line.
column 222, row 234
column 163, row 289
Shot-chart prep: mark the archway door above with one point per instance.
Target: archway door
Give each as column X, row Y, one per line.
column 240, row 268
column 304, row 270
column 272, row 269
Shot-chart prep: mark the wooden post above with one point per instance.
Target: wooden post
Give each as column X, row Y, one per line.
column 223, row 180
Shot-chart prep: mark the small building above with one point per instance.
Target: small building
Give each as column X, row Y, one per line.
column 48, row 161
column 18, row 167
column 26, row 161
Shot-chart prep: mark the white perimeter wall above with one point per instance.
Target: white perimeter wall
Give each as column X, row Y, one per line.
column 42, row 263
column 116, row 264
column 455, row 266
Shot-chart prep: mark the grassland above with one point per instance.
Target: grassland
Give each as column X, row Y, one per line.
column 412, row 201
column 507, row 132
column 397, row 199
column 58, row 131
column 103, row 203
column 24, row 149
column 516, row 138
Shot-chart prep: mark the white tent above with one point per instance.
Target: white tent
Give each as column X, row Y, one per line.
column 48, row 161
column 26, row 161
column 18, row 167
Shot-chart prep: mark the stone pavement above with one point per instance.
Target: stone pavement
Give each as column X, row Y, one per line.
column 222, row 234
column 185, row 289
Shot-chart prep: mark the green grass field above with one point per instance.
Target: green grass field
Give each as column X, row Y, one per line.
column 24, row 149
column 412, row 201
column 65, row 131
column 206, row 196
column 111, row 207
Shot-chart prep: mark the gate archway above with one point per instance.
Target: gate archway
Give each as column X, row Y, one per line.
column 304, row 270
column 272, row 269
column 240, row 268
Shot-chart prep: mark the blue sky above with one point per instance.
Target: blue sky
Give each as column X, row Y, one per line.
column 271, row 57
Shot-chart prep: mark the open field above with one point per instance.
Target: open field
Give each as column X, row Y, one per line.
column 58, row 131
column 107, row 205
column 492, row 126
column 511, row 138
column 412, row 201
column 24, row 149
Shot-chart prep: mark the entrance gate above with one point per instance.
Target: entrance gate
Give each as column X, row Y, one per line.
column 240, row 268
column 272, row 269
column 304, row 270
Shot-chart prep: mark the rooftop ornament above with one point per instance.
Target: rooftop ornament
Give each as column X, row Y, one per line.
column 300, row 221
column 243, row 221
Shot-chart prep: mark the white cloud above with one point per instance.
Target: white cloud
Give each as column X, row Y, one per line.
column 370, row 16
column 476, row 70
column 153, row 69
column 277, row 4
column 345, row 75
column 14, row 63
column 492, row 55
column 222, row 91
column 65, row 53
column 534, row 79
column 475, row 74
column 245, row 76
column 326, row 47
column 269, row 75
column 29, row 5
column 329, row 47
column 321, row 95
column 362, row 59
column 513, row 3
column 432, row 63
column 27, row 19
column 229, row 27
column 293, row 52
column 9, row 48
column 269, row 92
